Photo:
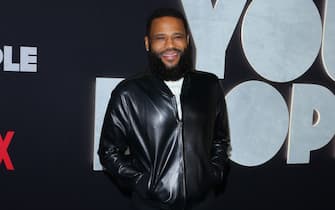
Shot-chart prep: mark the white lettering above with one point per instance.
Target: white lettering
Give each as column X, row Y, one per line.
column 28, row 59
column 281, row 39
column 306, row 135
column 258, row 119
column 1, row 56
column 212, row 29
column 328, row 47
column 8, row 64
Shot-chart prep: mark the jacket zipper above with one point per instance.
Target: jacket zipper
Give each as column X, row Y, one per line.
column 181, row 144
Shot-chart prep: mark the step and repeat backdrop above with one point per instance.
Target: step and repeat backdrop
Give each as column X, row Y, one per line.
column 59, row 62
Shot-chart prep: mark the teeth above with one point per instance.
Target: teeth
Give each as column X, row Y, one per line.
column 170, row 54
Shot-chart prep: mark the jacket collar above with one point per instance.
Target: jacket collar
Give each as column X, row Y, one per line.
column 166, row 90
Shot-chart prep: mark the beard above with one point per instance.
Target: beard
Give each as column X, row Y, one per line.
column 174, row 73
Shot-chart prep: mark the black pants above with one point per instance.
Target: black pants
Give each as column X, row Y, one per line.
column 207, row 203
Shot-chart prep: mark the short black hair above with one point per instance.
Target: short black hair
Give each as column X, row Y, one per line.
column 165, row 12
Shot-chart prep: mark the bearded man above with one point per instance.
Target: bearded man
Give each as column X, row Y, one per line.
column 165, row 133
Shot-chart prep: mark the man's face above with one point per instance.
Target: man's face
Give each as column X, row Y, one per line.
column 167, row 40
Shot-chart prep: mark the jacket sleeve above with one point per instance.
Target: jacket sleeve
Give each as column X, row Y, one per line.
column 113, row 144
column 221, row 140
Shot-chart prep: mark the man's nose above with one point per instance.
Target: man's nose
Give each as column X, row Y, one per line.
column 169, row 42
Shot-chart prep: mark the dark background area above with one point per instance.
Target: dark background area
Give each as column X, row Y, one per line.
column 52, row 111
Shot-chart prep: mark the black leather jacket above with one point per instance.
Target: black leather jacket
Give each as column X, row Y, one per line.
column 163, row 160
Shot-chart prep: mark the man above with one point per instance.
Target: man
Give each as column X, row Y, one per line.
column 165, row 133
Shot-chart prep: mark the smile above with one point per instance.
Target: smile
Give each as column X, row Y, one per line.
column 170, row 55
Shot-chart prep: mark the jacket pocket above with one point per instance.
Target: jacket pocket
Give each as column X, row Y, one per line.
column 141, row 185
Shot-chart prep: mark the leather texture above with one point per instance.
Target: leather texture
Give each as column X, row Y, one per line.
column 166, row 162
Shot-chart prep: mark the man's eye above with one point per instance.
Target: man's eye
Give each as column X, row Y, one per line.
column 159, row 38
column 179, row 37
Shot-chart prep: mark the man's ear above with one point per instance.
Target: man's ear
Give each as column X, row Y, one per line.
column 146, row 42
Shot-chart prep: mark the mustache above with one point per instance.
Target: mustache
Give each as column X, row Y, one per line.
column 180, row 52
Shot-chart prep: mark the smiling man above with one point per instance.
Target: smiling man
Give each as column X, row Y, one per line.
column 165, row 133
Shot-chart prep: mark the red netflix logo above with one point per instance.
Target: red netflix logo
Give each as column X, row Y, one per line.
column 4, row 156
